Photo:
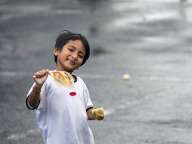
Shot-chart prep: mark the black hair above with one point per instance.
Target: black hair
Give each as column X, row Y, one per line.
column 65, row 36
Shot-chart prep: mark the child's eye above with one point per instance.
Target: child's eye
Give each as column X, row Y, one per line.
column 81, row 56
column 71, row 49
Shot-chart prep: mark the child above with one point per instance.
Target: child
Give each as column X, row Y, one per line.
column 61, row 114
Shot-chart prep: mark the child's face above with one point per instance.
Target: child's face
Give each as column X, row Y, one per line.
column 71, row 56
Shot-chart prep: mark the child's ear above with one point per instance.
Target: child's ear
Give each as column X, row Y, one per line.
column 56, row 51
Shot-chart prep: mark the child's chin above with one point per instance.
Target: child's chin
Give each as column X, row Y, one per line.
column 70, row 69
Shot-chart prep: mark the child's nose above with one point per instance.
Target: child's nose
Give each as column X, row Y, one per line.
column 75, row 54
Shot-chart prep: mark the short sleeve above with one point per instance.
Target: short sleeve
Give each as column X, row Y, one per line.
column 42, row 98
column 88, row 102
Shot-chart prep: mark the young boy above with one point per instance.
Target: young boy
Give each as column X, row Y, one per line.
column 62, row 111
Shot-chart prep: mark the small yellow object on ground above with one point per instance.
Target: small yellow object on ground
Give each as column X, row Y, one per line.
column 126, row 76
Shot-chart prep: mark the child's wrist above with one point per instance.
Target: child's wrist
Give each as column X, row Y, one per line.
column 38, row 86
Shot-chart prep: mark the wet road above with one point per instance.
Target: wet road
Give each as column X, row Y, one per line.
column 151, row 41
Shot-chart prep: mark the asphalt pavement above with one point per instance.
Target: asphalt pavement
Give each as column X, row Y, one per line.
column 148, row 41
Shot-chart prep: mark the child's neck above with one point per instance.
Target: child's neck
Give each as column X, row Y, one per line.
column 61, row 69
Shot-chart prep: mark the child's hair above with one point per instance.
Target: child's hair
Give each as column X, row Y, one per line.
column 65, row 36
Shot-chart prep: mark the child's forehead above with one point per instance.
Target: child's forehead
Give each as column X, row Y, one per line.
column 76, row 43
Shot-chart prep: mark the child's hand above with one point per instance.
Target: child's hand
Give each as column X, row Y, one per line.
column 98, row 113
column 40, row 77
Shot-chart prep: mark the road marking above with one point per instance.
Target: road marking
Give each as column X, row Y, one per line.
column 11, row 73
column 100, row 76
column 128, row 104
column 22, row 135
column 123, row 106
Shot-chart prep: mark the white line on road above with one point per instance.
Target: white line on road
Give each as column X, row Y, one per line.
column 18, row 136
column 123, row 106
column 102, row 76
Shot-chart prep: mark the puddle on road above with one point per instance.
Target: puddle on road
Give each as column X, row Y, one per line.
column 99, row 50
column 176, row 123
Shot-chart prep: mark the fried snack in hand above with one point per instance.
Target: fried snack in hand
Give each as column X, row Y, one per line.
column 62, row 77
column 98, row 113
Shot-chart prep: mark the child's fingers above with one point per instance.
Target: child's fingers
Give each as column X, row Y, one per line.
column 98, row 113
column 40, row 73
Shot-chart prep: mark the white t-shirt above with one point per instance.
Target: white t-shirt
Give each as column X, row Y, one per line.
column 61, row 116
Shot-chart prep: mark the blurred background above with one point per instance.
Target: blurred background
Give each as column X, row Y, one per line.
column 139, row 70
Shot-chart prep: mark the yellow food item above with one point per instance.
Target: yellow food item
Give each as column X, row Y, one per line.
column 62, row 77
column 98, row 113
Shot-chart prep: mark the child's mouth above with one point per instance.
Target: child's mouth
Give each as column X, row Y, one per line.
column 71, row 62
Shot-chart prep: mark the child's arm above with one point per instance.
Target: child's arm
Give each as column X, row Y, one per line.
column 34, row 97
column 95, row 113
